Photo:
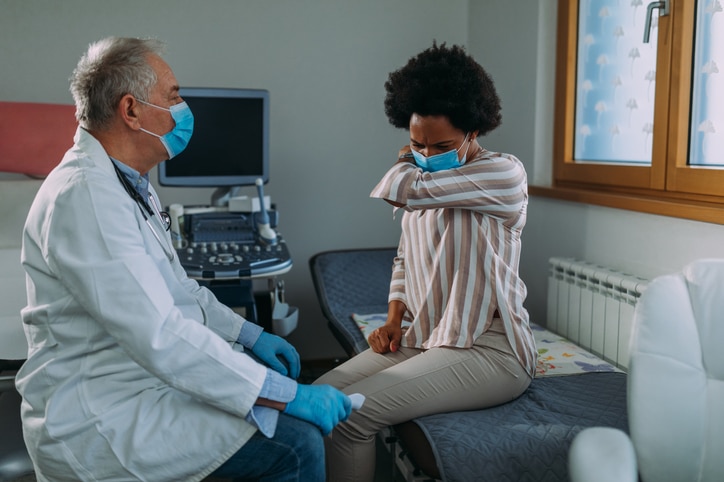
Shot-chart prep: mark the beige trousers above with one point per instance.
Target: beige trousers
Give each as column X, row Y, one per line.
column 411, row 383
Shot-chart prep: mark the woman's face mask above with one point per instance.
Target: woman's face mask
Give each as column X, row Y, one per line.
column 440, row 162
column 178, row 138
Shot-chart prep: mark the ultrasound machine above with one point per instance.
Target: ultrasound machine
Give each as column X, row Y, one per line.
column 232, row 241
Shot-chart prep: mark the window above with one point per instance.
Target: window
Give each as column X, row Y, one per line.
column 707, row 121
column 641, row 125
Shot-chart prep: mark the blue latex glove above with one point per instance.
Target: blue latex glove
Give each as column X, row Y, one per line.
column 321, row 405
column 278, row 354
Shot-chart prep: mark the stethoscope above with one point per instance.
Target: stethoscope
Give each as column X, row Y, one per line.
column 148, row 211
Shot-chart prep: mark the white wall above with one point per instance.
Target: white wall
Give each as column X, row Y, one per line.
column 324, row 62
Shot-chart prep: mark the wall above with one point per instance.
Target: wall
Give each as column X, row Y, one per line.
column 324, row 62
column 515, row 40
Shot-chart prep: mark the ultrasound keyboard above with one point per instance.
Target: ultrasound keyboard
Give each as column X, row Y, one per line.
column 226, row 245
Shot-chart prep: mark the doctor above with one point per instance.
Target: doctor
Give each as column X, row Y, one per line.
column 134, row 372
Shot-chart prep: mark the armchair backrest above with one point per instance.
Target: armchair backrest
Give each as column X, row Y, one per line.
column 34, row 136
column 676, row 381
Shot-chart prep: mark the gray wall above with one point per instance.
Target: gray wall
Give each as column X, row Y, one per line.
column 325, row 63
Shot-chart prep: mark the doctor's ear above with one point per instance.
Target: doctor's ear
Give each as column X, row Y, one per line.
column 128, row 109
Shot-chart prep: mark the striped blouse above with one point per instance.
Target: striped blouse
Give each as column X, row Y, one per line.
column 458, row 256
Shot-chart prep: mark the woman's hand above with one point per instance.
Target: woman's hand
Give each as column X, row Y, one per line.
column 386, row 338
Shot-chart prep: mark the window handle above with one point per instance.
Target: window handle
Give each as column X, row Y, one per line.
column 663, row 7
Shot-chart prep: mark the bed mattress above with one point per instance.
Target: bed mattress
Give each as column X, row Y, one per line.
column 528, row 438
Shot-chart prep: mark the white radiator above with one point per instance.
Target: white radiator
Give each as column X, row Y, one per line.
column 593, row 306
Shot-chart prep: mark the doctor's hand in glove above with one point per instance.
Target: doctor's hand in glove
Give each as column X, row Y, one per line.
column 276, row 352
column 320, row 405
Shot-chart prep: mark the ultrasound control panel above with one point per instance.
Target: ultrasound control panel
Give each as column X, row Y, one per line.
column 227, row 245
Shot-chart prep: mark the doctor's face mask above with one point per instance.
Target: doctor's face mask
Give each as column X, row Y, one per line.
column 178, row 138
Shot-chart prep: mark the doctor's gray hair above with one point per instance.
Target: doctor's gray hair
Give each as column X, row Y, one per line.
column 110, row 69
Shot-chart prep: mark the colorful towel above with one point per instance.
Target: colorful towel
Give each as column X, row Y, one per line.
column 557, row 356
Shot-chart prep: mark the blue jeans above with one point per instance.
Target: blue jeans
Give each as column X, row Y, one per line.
column 295, row 453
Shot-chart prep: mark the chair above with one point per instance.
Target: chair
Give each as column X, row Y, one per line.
column 675, row 388
column 14, row 459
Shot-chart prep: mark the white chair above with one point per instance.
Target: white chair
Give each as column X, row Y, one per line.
column 675, row 388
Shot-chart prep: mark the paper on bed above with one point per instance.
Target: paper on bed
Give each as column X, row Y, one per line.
column 557, row 356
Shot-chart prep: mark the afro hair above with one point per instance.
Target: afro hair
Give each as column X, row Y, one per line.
column 443, row 81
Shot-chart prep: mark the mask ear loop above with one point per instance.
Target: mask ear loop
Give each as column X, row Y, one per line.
column 464, row 159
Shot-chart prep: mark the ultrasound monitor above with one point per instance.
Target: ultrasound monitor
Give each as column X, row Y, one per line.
column 230, row 144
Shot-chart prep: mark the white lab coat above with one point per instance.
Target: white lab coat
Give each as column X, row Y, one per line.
column 131, row 373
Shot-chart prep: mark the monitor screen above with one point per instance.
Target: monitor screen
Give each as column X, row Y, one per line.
column 230, row 143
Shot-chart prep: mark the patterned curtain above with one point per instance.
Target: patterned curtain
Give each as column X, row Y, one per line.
column 615, row 82
column 707, row 107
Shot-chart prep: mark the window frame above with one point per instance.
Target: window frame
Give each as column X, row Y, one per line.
column 669, row 186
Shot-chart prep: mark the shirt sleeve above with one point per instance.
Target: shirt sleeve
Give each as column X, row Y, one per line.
column 248, row 334
column 495, row 185
column 278, row 388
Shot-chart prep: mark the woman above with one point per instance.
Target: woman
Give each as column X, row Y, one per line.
column 455, row 278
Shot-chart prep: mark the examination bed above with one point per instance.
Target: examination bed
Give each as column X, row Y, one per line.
column 524, row 440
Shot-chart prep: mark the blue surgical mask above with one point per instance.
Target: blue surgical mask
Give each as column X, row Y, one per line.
column 178, row 138
column 440, row 162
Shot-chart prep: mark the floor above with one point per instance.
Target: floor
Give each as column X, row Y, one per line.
column 313, row 369
column 385, row 471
